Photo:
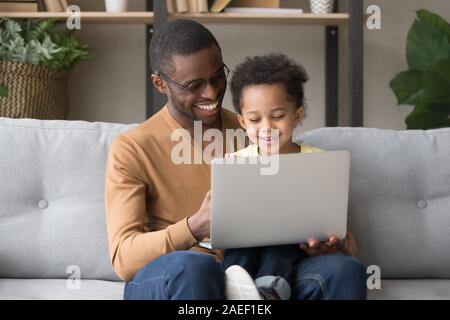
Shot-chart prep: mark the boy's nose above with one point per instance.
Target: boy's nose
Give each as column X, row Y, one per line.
column 267, row 131
column 266, row 126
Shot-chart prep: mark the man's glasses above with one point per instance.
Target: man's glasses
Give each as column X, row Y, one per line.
column 198, row 85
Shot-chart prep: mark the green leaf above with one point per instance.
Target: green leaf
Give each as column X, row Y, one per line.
column 436, row 20
column 408, row 87
column 436, row 81
column 440, row 106
column 422, row 118
column 3, row 90
column 425, row 46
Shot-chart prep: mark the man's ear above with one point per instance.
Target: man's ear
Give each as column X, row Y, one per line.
column 299, row 115
column 159, row 84
column 241, row 120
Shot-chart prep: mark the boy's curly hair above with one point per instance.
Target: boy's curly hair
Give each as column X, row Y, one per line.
column 269, row 69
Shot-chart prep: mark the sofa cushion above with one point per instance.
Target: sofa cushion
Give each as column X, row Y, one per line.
column 52, row 212
column 60, row 289
column 420, row 289
column 399, row 201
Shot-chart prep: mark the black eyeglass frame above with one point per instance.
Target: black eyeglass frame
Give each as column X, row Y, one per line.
column 185, row 87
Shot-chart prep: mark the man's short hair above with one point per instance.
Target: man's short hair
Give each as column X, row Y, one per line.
column 180, row 37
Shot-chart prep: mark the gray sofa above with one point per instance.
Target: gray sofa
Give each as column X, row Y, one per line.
column 52, row 221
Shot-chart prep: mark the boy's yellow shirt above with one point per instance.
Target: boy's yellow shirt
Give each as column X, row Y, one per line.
column 252, row 150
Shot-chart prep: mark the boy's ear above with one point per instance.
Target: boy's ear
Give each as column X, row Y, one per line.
column 241, row 120
column 159, row 84
column 299, row 115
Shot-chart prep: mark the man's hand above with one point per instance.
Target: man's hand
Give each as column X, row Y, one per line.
column 200, row 222
column 333, row 245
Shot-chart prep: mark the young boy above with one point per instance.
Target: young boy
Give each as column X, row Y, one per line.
column 268, row 95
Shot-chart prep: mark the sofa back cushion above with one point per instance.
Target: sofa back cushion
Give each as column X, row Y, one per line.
column 52, row 216
column 399, row 202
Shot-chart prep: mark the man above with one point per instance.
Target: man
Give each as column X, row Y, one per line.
column 158, row 211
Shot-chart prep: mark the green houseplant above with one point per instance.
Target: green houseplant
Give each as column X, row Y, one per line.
column 35, row 57
column 426, row 85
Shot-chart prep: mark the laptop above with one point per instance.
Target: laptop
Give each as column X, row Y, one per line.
column 279, row 199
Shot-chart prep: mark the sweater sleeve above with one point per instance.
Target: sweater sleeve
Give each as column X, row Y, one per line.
column 126, row 187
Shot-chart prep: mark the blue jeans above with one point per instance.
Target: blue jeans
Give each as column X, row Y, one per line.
column 190, row 275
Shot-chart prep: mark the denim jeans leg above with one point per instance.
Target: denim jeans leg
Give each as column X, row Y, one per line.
column 331, row 276
column 180, row 275
column 280, row 261
column 247, row 258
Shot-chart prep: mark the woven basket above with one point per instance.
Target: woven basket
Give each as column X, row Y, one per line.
column 34, row 91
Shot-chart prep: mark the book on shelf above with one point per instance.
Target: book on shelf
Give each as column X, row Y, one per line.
column 255, row 3
column 263, row 10
column 171, row 8
column 19, row 6
column 185, row 6
column 64, row 4
column 202, row 6
column 219, row 5
column 54, row 6
column 182, row 6
column 192, row 6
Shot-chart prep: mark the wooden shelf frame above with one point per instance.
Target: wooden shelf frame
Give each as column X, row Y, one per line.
column 145, row 17
column 156, row 15
column 331, row 22
column 87, row 16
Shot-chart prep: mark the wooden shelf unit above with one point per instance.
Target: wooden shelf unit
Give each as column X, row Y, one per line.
column 148, row 17
column 86, row 16
column 156, row 15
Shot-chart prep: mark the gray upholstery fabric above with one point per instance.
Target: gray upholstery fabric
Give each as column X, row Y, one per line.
column 52, row 198
column 57, row 289
column 399, row 202
column 52, row 207
column 419, row 289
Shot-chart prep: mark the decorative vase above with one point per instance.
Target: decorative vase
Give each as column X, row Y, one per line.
column 321, row 6
column 116, row 5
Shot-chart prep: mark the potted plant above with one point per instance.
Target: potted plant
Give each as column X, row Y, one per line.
column 426, row 85
column 35, row 57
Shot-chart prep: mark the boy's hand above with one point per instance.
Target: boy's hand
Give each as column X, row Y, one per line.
column 333, row 245
column 200, row 222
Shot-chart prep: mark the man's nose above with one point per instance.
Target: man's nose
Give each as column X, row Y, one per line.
column 210, row 92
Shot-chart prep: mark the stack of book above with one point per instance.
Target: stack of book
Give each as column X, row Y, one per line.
column 19, row 6
column 33, row 6
column 187, row 6
column 215, row 6
column 54, row 5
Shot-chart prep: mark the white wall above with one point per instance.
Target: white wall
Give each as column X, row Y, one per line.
column 111, row 87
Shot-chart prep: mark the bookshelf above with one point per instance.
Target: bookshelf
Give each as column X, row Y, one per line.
column 156, row 15
column 148, row 17
column 354, row 19
column 300, row 19
column 93, row 17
